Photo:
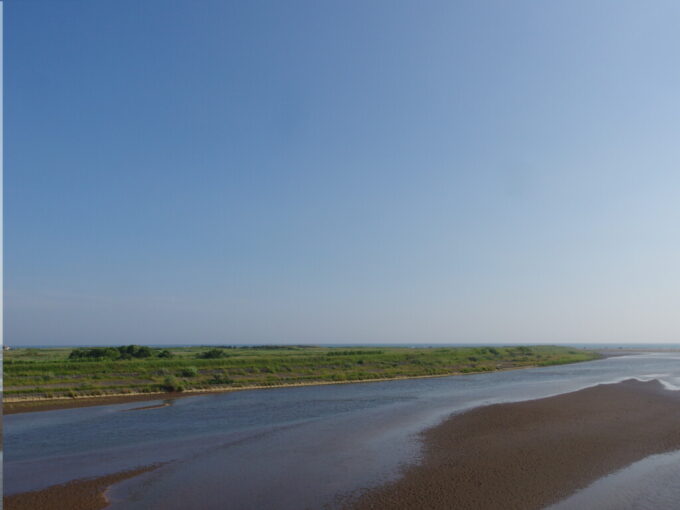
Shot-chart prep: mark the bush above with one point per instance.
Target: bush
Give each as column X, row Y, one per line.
column 220, row 379
column 95, row 353
column 111, row 353
column 189, row 372
column 172, row 384
column 212, row 354
column 135, row 351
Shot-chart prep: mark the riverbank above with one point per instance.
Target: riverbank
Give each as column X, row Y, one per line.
column 89, row 494
column 527, row 455
column 69, row 374
column 26, row 405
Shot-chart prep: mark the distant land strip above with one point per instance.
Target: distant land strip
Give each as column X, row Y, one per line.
column 42, row 379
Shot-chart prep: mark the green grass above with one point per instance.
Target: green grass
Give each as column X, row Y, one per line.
column 48, row 373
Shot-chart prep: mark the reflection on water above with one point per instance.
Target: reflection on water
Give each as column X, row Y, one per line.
column 650, row 484
column 280, row 448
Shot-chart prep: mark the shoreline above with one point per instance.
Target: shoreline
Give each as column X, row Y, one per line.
column 83, row 494
column 531, row 454
column 13, row 405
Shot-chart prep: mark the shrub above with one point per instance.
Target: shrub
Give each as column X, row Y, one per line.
column 172, row 384
column 111, row 353
column 211, row 354
column 220, row 379
column 189, row 372
column 94, row 353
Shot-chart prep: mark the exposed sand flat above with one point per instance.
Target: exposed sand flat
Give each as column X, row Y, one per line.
column 530, row 454
column 88, row 494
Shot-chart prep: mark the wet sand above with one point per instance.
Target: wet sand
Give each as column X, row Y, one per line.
column 531, row 454
column 145, row 408
column 88, row 494
column 31, row 406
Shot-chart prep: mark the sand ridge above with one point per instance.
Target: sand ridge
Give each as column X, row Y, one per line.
column 527, row 455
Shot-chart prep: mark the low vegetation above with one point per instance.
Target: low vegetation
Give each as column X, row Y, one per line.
column 117, row 353
column 45, row 373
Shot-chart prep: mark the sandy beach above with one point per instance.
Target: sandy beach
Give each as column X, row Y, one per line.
column 531, row 454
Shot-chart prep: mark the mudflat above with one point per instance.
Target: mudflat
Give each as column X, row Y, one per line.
column 87, row 494
column 527, row 455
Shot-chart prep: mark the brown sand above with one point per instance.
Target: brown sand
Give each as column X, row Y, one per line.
column 85, row 494
column 530, row 454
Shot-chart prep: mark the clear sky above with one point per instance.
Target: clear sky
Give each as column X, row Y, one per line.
column 345, row 171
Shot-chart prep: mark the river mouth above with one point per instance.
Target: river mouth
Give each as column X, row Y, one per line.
column 279, row 448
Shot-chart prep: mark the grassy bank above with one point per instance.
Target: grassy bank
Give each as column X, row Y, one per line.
column 57, row 373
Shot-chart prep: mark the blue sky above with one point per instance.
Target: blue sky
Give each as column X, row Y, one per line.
column 258, row 172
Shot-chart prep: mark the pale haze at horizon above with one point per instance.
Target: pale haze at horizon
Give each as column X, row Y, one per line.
column 341, row 172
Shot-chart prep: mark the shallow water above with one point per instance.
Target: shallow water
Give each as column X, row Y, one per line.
column 650, row 484
column 280, row 448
